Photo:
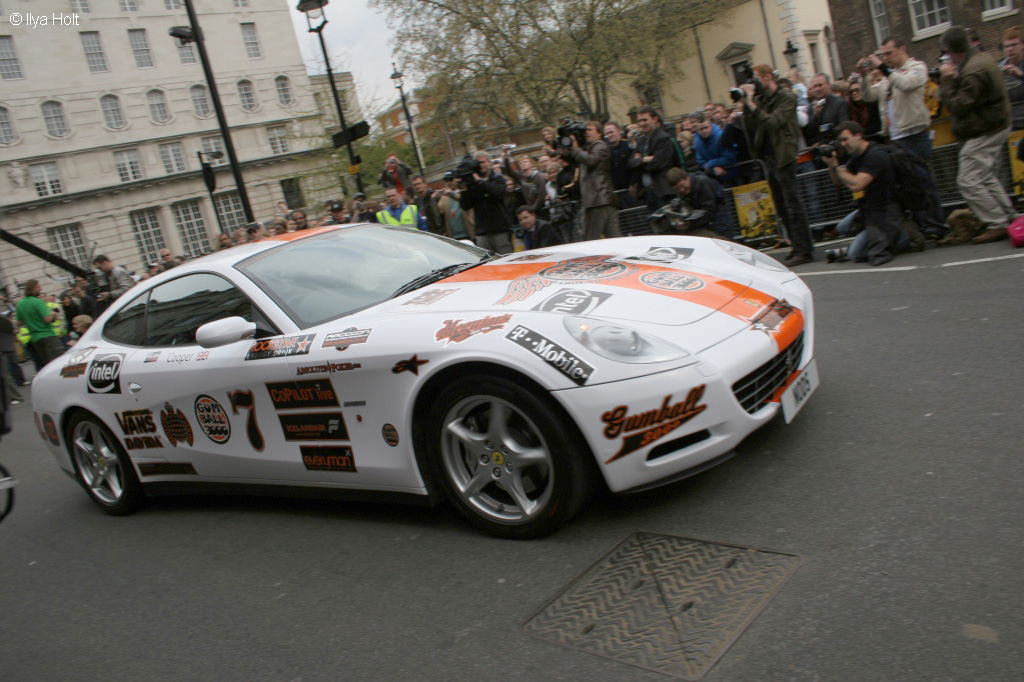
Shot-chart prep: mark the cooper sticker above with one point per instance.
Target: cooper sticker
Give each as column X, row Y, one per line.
column 571, row 271
column 652, row 425
column 663, row 254
column 76, row 364
column 213, row 420
column 410, row 365
column 332, row 458
column 178, row 358
column 572, row 301
column 428, row 297
column 136, row 425
column 176, row 426
column 672, row 281
column 457, row 331
column 105, row 373
column 314, row 426
column 390, row 434
column 579, row 371
column 243, row 399
column 287, row 395
column 343, row 339
column 327, row 368
column 279, row 347
column 167, row 469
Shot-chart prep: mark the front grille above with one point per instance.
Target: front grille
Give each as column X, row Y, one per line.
column 758, row 387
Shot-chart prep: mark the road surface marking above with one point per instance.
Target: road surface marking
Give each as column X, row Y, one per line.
column 984, row 260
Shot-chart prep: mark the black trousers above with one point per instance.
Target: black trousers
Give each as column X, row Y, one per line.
column 883, row 230
column 790, row 208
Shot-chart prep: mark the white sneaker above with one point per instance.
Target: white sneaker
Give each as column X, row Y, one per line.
column 15, row 401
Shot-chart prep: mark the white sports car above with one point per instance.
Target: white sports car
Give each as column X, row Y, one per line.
column 373, row 360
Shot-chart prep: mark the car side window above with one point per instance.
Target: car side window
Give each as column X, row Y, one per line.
column 181, row 306
column 128, row 325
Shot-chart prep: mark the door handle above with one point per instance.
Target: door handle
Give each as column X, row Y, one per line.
column 134, row 387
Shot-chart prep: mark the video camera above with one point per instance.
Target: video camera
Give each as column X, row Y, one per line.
column 571, row 129
column 466, row 169
column 737, row 94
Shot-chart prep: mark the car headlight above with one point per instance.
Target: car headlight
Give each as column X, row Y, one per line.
column 621, row 344
column 751, row 256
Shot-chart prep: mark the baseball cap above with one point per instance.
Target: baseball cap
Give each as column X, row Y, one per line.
column 335, row 206
column 450, row 175
column 360, row 195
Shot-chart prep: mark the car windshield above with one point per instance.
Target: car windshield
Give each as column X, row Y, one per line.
column 330, row 275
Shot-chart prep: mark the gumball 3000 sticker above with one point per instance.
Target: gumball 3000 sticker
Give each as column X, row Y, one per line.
column 213, row 420
column 672, row 281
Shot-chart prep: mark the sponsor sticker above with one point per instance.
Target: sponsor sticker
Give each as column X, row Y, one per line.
column 327, row 368
column 672, row 281
column 213, row 420
column 243, row 399
column 663, row 254
column 390, row 434
column 176, row 426
column 643, row 429
column 178, row 358
column 76, row 364
column 354, row 403
column 550, row 352
column 331, row 458
column 167, row 469
column 152, row 357
column 279, row 347
column 136, row 425
column 770, row 319
column 410, row 365
column 343, row 339
column 528, row 256
column 287, row 395
column 314, row 426
column 50, row 429
column 571, row 271
column 572, row 301
column 39, row 427
column 202, row 355
column 428, row 297
column 457, row 331
column 105, row 373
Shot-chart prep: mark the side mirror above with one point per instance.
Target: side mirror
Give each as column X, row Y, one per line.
column 222, row 332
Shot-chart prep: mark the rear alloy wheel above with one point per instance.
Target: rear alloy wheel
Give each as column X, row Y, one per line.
column 505, row 460
column 103, row 467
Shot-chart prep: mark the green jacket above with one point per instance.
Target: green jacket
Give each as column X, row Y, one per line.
column 32, row 310
column 977, row 97
column 773, row 123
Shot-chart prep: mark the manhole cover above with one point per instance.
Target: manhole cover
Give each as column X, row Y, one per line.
column 668, row 604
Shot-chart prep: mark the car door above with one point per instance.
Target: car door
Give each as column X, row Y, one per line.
column 205, row 410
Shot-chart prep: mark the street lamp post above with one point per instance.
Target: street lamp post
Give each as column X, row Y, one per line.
column 397, row 77
column 192, row 33
column 211, row 182
column 313, row 9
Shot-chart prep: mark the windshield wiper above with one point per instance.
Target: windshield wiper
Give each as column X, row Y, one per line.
column 439, row 274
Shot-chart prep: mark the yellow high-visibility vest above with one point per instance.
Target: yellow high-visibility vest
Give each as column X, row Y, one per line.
column 409, row 218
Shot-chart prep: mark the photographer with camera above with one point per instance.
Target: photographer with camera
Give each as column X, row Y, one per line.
column 484, row 194
column 769, row 113
column 826, row 109
column 425, row 200
column 901, row 92
column 703, row 200
column 972, row 88
column 531, row 181
column 600, row 217
column 395, row 174
column 653, row 157
column 458, row 224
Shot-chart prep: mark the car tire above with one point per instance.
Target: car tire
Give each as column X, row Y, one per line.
column 505, row 458
column 102, row 466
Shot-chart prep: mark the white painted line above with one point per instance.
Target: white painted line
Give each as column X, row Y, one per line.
column 984, row 260
column 846, row 272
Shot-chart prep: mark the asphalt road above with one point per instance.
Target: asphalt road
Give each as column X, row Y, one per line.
column 899, row 486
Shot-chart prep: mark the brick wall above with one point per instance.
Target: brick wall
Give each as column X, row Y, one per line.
column 855, row 34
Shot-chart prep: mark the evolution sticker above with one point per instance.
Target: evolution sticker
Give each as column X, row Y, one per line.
column 457, row 331
column 76, row 363
column 213, row 420
column 572, row 301
column 105, row 373
column 314, row 426
column 176, row 426
column 287, row 395
column 550, row 352
column 136, row 425
column 343, row 339
column 652, row 425
column 330, row 458
column 428, row 297
column 279, row 347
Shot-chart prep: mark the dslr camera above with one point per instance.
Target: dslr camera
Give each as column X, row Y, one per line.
column 828, row 146
column 571, row 129
column 737, row 94
column 934, row 72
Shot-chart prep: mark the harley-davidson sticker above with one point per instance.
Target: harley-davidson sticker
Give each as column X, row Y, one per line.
column 330, row 458
column 176, row 426
column 243, row 399
column 213, row 420
column 280, row 346
column 571, row 271
column 390, row 434
column 410, row 365
column 652, row 425
column 428, row 297
column 105, row 373
column 343, row 339
column 457, row 331
column 314, row 426
column 672, row 281
column 287, row 395
column 579, row 371
column 135, row 425
column 76, row 363
column 572, row 301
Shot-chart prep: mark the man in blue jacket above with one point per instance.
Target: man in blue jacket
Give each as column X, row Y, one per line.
column 713, row 155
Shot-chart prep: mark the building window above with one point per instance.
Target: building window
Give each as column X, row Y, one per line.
column 113, row 116
column 7, row 132
column 191, row 227
column 284, row 90
column 929, row 15
column 172, row 4
column 251, row 41
column 67, row 242
column 229, row 210
column 292, row 190
column 140, row 48
column 742, row 72
column 278, row 136
column 211, row 145
column 991, row 8
column 241, row 3
column 10, row 69
column 129, row 5
column 158, row 106
column 146, row 228
column 94, row 52
column 200, row 101
column 173, row 157
column 45, row 178
column 879, row 19
column 53, row 115
column 247, row 95
column 186, row 54
column 81, row 6
column 129, row 165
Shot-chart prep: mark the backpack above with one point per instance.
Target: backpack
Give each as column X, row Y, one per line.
column 910, row 176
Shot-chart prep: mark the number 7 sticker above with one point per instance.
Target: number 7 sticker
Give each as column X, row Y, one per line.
column 244, row 399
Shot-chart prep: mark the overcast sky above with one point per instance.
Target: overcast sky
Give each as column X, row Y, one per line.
column 358, row 40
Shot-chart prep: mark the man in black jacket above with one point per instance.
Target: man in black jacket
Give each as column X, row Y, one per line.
column 826, row 109
column 600, row 217
column 620, row 153
column 485, row 195
column 701, row 193
column 537, row 234
column 531, row 182
column 652, row 159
